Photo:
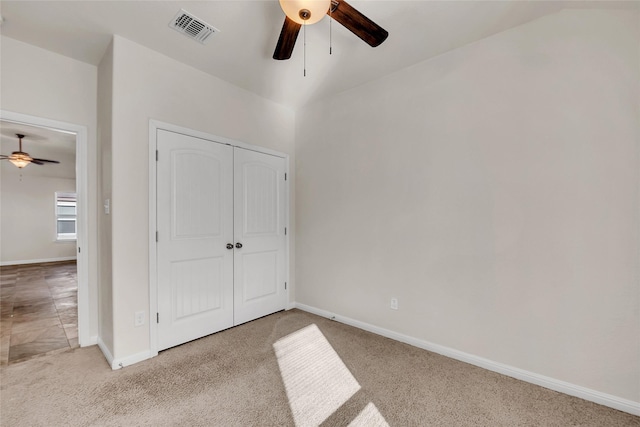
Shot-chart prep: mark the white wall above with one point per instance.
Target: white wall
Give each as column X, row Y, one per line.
column 28, row 226
column 148, row 85
column 105, row 167
column 44, row 84
column 494, row 191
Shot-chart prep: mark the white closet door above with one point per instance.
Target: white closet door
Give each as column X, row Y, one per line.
column 259, row 221
column 195, row 224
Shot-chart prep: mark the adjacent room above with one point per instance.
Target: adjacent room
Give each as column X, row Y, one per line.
column 38, row 253
column 320, row 212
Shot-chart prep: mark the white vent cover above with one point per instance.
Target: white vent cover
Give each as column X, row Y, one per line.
column 192, row 27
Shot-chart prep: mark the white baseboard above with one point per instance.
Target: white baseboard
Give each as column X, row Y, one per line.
column 605, row 399
column 38, row 261
column 106, row 352
column 123, row 361
column 130, row 360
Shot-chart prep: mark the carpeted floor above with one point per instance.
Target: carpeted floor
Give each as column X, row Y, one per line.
column 233, row 379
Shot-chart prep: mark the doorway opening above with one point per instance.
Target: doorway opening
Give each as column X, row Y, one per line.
column 44, row 277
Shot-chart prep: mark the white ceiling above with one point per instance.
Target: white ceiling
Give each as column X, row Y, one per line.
column 241, row 52
column 36, row 139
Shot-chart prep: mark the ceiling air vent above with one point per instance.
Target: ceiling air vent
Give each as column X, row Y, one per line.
column 192, row 27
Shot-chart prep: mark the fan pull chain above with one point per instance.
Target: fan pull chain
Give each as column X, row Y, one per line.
column 330, row 32
column 304, row 50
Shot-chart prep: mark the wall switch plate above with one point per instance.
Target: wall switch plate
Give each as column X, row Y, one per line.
column 107, row 206
column 139, row 318
column 394, row 303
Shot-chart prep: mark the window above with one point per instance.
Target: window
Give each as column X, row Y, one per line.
column 66, row 212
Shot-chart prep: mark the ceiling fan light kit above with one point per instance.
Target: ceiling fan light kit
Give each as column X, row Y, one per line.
column 20, row 159
column 305, row 12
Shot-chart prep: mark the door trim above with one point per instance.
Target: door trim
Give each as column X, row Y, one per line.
column 82, row 241
column 154, row 126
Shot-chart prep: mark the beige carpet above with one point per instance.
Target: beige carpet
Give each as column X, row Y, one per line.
column 233, row 378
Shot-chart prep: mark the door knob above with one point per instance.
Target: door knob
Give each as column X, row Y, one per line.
column 238, row 245
column 229, row 246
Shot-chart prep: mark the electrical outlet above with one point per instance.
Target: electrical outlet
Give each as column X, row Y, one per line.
column 394, row 303
column 139, row 318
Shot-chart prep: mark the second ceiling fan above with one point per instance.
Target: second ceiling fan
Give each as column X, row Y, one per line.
column 305, row 12
column 21, row 159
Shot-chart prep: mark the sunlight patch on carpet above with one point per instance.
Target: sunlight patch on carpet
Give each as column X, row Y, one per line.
column 316, row 380
column 369, row 417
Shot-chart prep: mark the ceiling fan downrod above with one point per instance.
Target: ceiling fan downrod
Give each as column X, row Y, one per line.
column 20, row 136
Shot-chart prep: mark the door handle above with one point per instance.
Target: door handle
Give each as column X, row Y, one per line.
column 229, row 246
column 238, row 245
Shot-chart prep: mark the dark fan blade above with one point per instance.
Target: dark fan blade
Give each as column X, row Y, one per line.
column 287, row 39
column 43, row 160
column 2, row 157
column 357, row 23
column 36, row 162
column 47, row 161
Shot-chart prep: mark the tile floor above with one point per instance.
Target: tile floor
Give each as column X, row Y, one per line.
column 38, row 310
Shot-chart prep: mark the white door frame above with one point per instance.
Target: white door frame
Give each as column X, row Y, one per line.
column 154, row 126
column 82, row 240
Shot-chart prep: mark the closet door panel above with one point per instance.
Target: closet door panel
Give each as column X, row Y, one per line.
column 259, row 221
column 195, row 223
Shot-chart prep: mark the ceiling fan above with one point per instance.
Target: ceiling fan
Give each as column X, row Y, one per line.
column 299, row 12
column 22, row 159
